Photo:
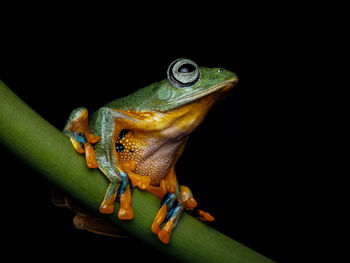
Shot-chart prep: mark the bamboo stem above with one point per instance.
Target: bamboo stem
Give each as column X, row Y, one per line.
column 50, row 152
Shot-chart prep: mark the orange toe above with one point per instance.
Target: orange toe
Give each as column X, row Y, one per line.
column 164, row 236
column 125, row 211
column 107, row 206
column 155, row 228
column 126, row 214
column 205, row 216
column 90, row 156
column 92, row 138
column 165, row 233
column 144, row 182
column 190, row 203
column 159, row 219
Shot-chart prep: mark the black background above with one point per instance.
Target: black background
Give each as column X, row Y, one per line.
column 240, row 163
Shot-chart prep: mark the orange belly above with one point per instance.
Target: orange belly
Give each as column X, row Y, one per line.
column 146, row 156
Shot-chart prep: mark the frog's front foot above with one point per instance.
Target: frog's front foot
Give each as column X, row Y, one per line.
column 121, row 192
column 77, row 130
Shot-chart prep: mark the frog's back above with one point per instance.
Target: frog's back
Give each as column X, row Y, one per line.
column 137, row 101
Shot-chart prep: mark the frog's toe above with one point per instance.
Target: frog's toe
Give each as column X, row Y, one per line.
column 165, row 233
column 90, row 157
column 107, row 206
column 126, row 214
column 159, row 219
column 205, row 216
column 143, row 182
column 201, row 215
column 187, row 198
column 124, row 196
column 125, row 211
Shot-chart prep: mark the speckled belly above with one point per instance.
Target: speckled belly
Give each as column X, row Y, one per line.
column 151, row 157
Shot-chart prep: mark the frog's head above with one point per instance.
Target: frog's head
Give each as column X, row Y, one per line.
column 185, row 96
column 187, row 83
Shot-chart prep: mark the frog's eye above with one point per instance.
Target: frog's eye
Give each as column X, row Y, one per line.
column 183, row 73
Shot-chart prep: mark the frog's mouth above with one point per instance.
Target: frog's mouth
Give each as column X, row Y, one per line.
column 222, row 88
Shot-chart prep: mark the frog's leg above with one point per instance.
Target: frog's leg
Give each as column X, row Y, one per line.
column 169, row 213
column 176, row 200
column 171, row 207
column 76, row 129
column 108, row 125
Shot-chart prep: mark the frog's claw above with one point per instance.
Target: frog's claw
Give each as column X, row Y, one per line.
column 77, row 130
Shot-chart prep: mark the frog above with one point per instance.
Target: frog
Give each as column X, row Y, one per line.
column 136, row 141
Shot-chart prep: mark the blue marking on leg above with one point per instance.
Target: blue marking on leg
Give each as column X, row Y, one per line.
column 80, row 137
column 124, row 185
column 173, row 211
column 168, row 199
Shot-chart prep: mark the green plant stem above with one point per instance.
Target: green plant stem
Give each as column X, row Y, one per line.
column 50, row 152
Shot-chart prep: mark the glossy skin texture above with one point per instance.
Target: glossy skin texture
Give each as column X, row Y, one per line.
column 136, row 140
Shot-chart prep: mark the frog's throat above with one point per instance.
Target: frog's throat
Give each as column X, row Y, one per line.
column 225, row 86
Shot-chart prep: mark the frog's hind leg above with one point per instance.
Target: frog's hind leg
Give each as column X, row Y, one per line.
column 76, row 129
column 169, row 213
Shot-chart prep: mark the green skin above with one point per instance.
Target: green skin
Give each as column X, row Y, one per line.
column 163, row 96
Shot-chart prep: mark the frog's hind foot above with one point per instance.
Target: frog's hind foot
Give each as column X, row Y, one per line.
column 169, row 213
column 77, row 130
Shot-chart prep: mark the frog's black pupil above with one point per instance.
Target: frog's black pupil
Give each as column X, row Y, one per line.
column 186, row 68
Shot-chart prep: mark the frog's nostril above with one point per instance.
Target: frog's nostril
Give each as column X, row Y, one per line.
column 220, row 69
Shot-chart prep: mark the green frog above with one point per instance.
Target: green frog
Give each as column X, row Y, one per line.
column 136, row 140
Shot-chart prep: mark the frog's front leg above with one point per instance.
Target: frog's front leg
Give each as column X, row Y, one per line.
column 108, row 125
